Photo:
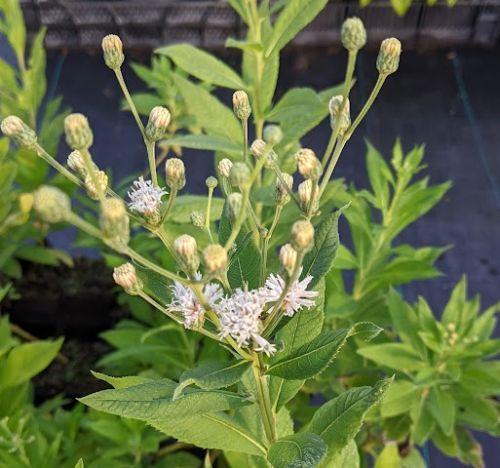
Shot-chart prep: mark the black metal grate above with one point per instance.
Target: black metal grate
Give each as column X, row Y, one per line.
column 144, row 24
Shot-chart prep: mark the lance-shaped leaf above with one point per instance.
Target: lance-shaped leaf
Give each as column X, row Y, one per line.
column 203, row 142
column 339, row 420
column 202, row 65
column 315, row 356
column 302, row 450
column 154, row 400
column 319, row 260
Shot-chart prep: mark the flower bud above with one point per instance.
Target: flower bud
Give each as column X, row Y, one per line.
column 112, row 48
column 305, row 192
column 388, row 56
column 159, row 118
column 114, row 222
column 335, row 106
column 353, row 34
column 302, row 236
column 102, row 180
column 259, row 148
column 241, row 105
column 239, row 175
column 215, row 258
column 288, row 257
column 175, row 173
column 198, row 219
column 126, row 277
column 273, row 134
column 76, row 163
column 13, row 127
column 25, row 201
column 78, row 133
column 187, row 250
column 211, row 182
column 51, row 204
column 224, row 167
column 308, row 164
column 233, row 205
column 281, row 194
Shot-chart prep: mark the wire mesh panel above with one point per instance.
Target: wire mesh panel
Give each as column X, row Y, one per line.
column 207, row 23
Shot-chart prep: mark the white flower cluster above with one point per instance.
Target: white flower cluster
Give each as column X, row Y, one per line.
column 240, row 314
column 145, row 198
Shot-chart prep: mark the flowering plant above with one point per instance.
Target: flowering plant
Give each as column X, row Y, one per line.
column 269, row 320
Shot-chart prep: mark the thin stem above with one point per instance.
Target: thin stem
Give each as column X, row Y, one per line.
column 331, row 166
column 130, row 102
column 168, row 449
column 57, row 166
column 150, row 148
column 244, row 124
column 170, row 204
column 265, row 242
column 263, row 398
column 313, row 202
column 277, row 171
column 208, row 213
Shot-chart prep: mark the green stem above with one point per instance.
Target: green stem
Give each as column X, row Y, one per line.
column 265, row 242
column 130, row 102
column 170, row 204
column 208, row 213
column 277, row 171
column 263, row 398
column 57, row 166
column 150, row 148
column 244, row 124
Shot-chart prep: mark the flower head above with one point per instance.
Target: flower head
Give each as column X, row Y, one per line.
column 297, row 298
column 145, row 198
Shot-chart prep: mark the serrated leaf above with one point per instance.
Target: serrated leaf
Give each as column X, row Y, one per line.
column 339, row 420
column 121, row 382
column 319, row 260
column 304, row 450
column 315, row 356
column 202, row 65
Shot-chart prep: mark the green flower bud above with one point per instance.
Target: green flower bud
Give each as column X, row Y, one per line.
column 78, row 133
column 198, row 219
column 93, row 191
column 112, row 48
column 126, row 277
column 13, row 127
column 288, row 257
column 302, row 236
column 159, row 118
column 305, row 192
column 259, row 148
column 388, row 56
column 353, row 34
column 241, row 105
column 233, row 205
column 175, row 173
column 187, row 250
column 76, row 163
column 273, row 134
column 239, row 175
column 282, row 195
column 224, row 167
column 211, row 182
column 114, row 222
column 335, row 106
column 215, row 258
column 308, row 164
column 51, row 204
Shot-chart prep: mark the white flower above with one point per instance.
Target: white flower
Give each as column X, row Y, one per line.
column 240, row 318
column 186, row 303
column 144, row 197
column 296, row 298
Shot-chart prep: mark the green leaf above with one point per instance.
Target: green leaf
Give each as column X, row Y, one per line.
column 212, row 431
column 379, row 175
column 348, row 457
column 203, row 142
column 319, row 260
column 213, row 375
column 186, row 204
column 401, row 6
column 399, row 398
column 213, row 116
column 121, row 382
column 389, row 457
column 241, row 7
column 442, row 406
column 27, row 360
column 398, row 356
column 80, row 464
column 339, row 420
column 304, row 450
column 153, row 401
column 312, row 358
column 296, row 15
column 202, row 65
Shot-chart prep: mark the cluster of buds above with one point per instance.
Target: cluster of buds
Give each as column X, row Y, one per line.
column 114, row 223
column 241, row 105
column 308, row 164
column 284, row 186
column 112, row 48
column 13, row 127
column 388, row 56
column 288, row 258
column 51, row 204
column 215, row 258
column 340, row 111
column 175, row 173
column 302, row 236
column 78, row 133
column 159, row 118
column 187, row 252
column 126, row 277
